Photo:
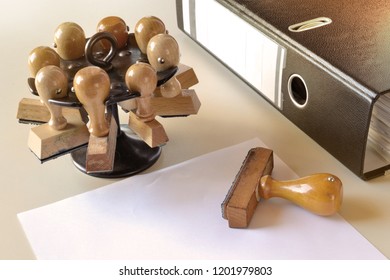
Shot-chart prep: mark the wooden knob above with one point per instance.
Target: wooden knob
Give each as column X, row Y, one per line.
column 92, row 87
column 117, row 27
column 320, row 193
column 51, row 82
column 69, row 41
column 40, row 57
column 142, row 77
column 145, row 29
column 171, row 88
column 163, row 52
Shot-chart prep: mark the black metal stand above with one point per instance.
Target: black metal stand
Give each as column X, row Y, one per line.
column 132, row 155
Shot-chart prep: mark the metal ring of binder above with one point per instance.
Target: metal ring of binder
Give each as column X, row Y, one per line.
column 310, row 24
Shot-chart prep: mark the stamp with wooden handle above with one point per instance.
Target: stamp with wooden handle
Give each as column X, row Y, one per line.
column 92, row 88
column 145, row 29
column 320, row 193
column 142, row 77
column 40, row 57
column 117, row 27
column 69, row 41
column 31, row 110
column 163, row 53
column 51, row 82
column 59, row 135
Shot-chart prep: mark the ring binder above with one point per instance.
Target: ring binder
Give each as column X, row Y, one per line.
column 332, row 79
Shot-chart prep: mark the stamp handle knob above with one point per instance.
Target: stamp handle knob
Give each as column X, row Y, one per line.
column 142, row 77
column 92, row 87
column 51, row 82
column 320, row 193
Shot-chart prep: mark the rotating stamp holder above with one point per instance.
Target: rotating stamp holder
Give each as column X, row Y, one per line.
column 82, row 81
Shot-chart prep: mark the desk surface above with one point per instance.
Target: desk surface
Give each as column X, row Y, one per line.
column 231, row 112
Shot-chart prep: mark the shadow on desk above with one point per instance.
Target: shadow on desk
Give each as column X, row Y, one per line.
column 359, row 209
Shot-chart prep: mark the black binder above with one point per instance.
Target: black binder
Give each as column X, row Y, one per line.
column 325, row 65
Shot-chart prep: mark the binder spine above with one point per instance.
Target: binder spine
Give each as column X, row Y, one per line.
column 334, row 115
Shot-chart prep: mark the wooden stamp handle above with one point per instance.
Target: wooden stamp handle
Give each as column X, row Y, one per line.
column 171, row 88
column 320, row 193
column 115, row 26
column 69, row 41
column 92, row 87
column 163, row 53
column 145, row 29
column 142, row 77
column 40, row 57
column 51, row 82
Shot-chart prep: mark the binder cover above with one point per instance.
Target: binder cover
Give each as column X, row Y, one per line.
column 325, row 65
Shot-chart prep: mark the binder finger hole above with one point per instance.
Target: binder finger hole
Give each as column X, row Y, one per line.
column 297, row 90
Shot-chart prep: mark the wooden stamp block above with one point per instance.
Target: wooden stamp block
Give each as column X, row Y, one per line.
column 186, row 76
column 46, row 142
column 101, row 150
column 186, row 103
column 31, row 110
column 152, row 132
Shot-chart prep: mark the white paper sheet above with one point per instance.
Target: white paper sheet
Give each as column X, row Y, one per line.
column 175, row 213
